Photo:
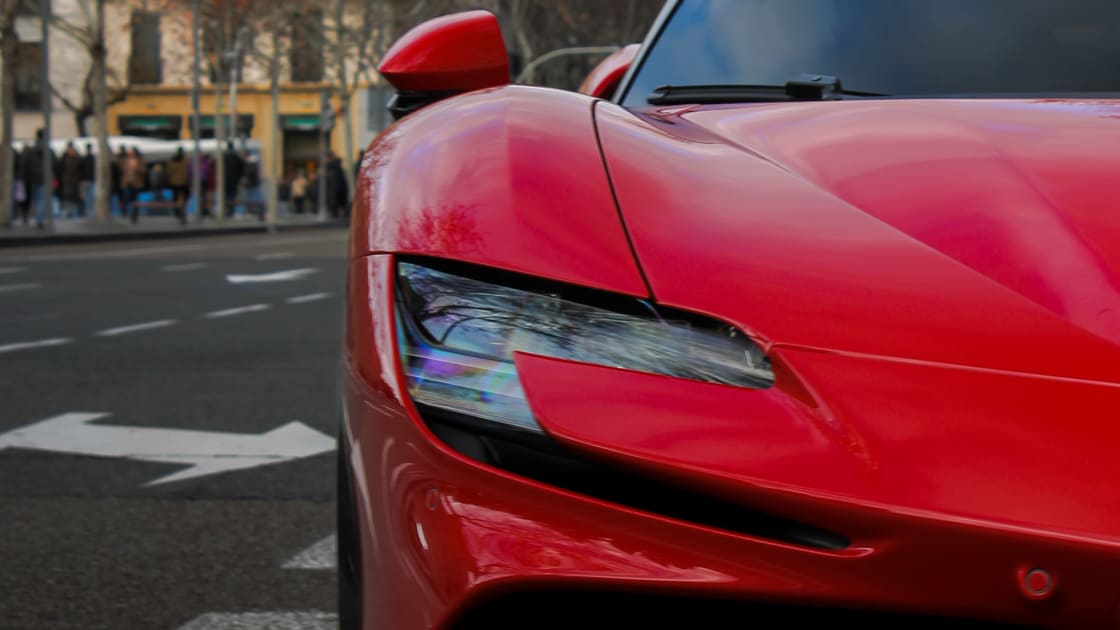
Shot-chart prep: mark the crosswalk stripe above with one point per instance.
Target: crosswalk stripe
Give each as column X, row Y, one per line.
column 273, row 620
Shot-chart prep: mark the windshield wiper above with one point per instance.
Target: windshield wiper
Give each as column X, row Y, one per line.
column 807, row 87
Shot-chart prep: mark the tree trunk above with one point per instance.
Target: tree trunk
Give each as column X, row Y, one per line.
column 102, row 183
column 276, row 168
column 219, row 160
column 7, row 106
column 344, row 93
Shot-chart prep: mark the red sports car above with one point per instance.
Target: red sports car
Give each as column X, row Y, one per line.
column 804, row 312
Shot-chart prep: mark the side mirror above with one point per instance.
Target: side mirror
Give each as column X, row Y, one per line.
column 604, row 79
column 445, row 56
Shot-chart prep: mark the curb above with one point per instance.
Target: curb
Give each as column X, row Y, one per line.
column 7, row 240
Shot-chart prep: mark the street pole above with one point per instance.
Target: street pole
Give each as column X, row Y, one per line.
column 321, row 188
column 196, row 88
column 45, row 82
column 234, row 81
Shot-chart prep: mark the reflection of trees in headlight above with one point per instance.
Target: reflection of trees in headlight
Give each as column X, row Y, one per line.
column 459, row 314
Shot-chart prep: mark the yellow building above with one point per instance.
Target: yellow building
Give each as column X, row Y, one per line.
column 161, row 111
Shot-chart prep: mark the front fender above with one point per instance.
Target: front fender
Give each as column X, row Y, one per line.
column 511, row 177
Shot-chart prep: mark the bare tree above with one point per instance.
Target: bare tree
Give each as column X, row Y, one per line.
column 89, row 32
column 8, row 41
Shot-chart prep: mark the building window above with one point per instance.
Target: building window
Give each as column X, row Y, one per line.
column 306, row 57
column 144, row 65
column 29, row 8
column 28, row 69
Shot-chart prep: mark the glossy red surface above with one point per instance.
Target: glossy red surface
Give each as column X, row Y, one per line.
column 852, row 226
column 510, row 178
column 453, row 53
column 942, row 336
column 443, row 532
column 604, row 79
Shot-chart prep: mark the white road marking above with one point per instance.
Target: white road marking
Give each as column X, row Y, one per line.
column 204, row 452
column 27, row 345
column 274, row 620
column 278, row 276
column 321, row 555
column 7, row 270
column 302, row 299
column 144, row 251
column 230, row 312
column 274, row 256
column 11, row 288
column 124, row 330
column 184, row 267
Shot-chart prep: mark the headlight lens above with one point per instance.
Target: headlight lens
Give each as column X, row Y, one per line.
column 457, row 337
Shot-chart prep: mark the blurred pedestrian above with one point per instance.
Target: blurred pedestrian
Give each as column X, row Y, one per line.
column 338, row 191
column 157, row 180
column 179, row 178
column 133, row 178
column 233, row 168
column 39, row 191
column 298, row 190
column 251, row 170
column 88, row 181
column 116, row 180
column 19, row 188
column 70, row 183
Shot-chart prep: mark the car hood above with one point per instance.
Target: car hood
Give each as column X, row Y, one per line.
column 936, row 284
column 900, row 228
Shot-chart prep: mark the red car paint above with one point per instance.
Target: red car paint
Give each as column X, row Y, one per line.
column 604, row 79
column 456, row 52
column 934, row 280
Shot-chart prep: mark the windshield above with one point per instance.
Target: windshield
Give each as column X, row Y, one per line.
column 898, row 47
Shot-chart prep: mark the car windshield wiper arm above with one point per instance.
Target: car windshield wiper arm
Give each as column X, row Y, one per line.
column 807, row 87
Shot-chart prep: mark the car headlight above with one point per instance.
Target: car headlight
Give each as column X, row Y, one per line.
column 457, row 337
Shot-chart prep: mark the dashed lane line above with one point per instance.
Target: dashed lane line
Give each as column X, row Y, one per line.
column 26, row 286
column 273, row 620
column 8, row 270
column 303, row 299
column 124, row 330
column 28, row 345
column 320, row 556
column 184, row 267
column 274, row 256
column 240, row 310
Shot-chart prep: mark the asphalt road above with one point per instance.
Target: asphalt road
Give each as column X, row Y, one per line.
column 167, row 423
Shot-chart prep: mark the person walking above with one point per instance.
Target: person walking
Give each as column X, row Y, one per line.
column 19, row 188
column 254, row 200
column 116, row 181
column 298, row 191
column 39, row 191
column 233, row 168
column 88, row 181
column 70, row 183
column 133, row 178
column 179, row 179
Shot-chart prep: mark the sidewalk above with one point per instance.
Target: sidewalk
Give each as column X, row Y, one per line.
column 87, row 231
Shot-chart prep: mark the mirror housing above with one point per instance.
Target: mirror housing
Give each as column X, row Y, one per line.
column 445, row 56
column 605, row 78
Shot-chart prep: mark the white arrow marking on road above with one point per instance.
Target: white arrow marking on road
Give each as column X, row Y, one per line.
column 279, row 276
column 321, row 555
column 207, row 452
